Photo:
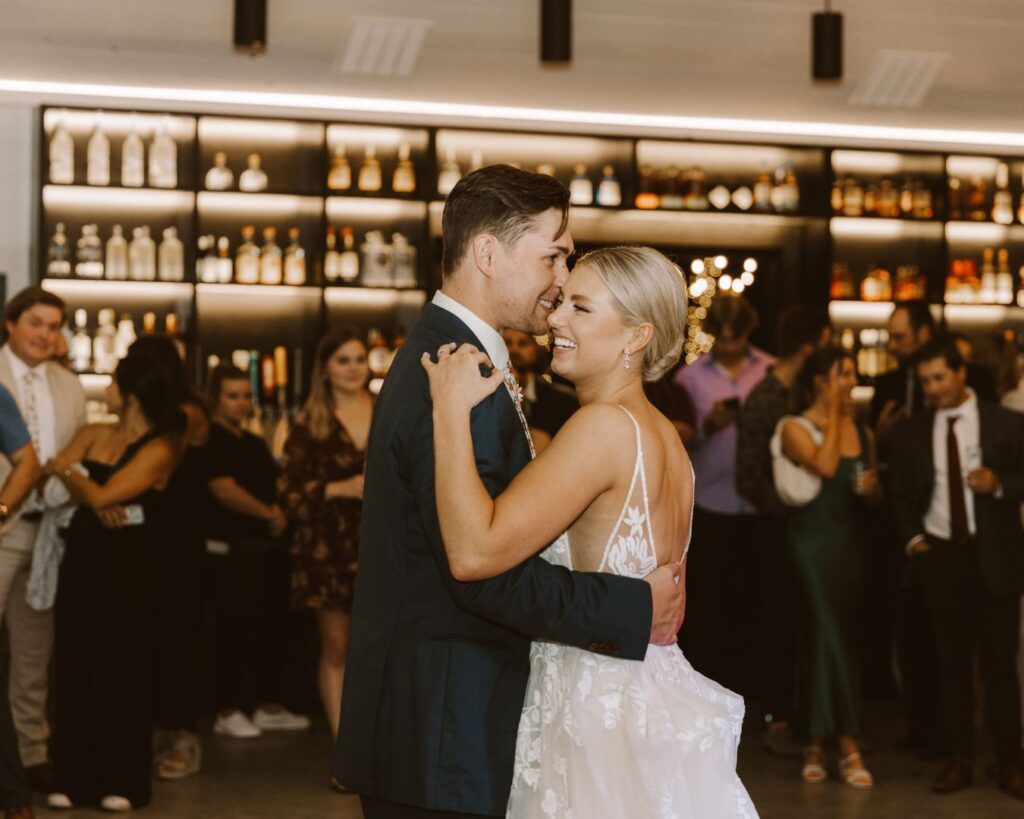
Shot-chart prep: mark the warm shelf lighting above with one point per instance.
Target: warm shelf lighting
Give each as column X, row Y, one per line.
column 967, row 166
column 980, row 232
column 277, row 291
column 77, row 196
column 212, row 129
column 866, row 313
column 870, row 162
column 76, row 288
column 264, row 205
column 374, row 297
column 867, row 227
column 342, row 207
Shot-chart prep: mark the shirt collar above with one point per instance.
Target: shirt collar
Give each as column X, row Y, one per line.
column 968, row 407
column 19, row 367
column 494, row 344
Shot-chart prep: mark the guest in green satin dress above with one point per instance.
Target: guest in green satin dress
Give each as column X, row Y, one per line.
column 823, row 541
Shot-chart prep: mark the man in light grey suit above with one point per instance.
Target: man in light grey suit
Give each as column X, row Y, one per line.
column 52, row 403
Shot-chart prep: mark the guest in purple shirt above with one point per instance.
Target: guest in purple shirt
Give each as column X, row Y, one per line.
column 719, row 635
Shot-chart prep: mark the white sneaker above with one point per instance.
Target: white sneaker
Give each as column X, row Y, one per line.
column 59, row 801
column 283, row 720
column 237, row 725
column 117, row 804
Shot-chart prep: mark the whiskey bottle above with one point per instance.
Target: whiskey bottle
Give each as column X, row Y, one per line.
column 377, row 261
column 81, row 344
column 171, row 257
column 956, row 199
column 59, row 255
column 450, row 173
column 404, row 178
column 270, row 258
column 103, row 358
column 790, row 191
column 1002, row 201
column 98, row 156
column 253, row 178
column 609, row 192
column 89, row 254
column 1004, row 278
column 163, row 159
column 646, row 191
column 370, row 180
column 670, row 189
column 117, row 255
column 133, row 159
column 124, row 337
column 404, row 260
column 763, row 191
column 339, row 177
column 62, row 156
column 977, row 200
column 220, row 177
column 332, row 259
column 581, row 189
column 247, row 258
column 148, row 323
column 225, row 267
column 172, row 327
column 695, row 189
column 907, row 199
column 294, row 260
column 843, row 286
column 778, row 194
column 988, row 277
column 924, row 207
column 348, row 263
column 142, row 256
column 836, row 196
column 853, row 198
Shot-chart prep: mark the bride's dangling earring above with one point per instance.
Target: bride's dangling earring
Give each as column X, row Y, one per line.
column 625, row 358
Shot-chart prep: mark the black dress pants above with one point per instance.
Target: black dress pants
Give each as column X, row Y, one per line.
column 966, row 615
column 916, row 654
column 382, row 809
column 779, row 621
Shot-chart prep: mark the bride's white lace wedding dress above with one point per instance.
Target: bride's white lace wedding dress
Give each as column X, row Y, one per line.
column 602, row 738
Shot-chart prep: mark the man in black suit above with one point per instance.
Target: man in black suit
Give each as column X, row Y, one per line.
column 957, row 485
column 437, row 668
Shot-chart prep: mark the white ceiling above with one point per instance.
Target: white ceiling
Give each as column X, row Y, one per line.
column 731, row 58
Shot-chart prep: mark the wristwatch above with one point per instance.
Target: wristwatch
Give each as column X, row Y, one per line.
column 5, row 512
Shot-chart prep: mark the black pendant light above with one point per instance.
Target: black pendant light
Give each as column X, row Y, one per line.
column 827, row 38
column 556, row 31
column 251, row 26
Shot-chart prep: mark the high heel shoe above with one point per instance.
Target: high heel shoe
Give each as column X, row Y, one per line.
column 814, row 772
column 859, row 778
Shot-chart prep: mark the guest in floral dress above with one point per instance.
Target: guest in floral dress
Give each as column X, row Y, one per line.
column 321, row 491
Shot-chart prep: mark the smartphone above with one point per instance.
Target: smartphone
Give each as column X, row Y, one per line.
column 134, row 516
column 732, row 403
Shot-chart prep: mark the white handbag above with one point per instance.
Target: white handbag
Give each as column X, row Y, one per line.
column 795, row 485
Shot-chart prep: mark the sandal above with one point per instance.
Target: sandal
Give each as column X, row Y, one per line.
column 183, row 759
column 859, row 778
column 814, row 772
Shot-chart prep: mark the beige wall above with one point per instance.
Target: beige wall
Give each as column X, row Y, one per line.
column 17, row 205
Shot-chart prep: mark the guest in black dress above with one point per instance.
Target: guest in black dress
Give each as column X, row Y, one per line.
column 104, row 611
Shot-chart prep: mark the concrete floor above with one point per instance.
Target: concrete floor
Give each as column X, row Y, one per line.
column 284, row 776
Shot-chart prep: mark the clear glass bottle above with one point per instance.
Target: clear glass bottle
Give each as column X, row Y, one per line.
column 988, row 276
column 163, row 158
column 403, row 257
column 763, row 190
column 671, row 189
column 404, row 178
column 377, row 261
column 142, row 256
column 450, row 173
column 81, row 344
column 1002, row 201
column 790, row 191
column 1004, row 277
column 294, row 260
column 247, row 258
column 270, row 258
column 103, row 358
column 124, row 337
column 62, row 156
column 348, row 262
column 206, row 260
column 853, row 198
column 225, row 267
column 171, row 257
column 332, row 259
column 253, row 178
column 59, row 255
column 98, row 156
column 370, row 180
column 339, row 178
column 609, row 191
column 133, row 159
column 117, row 255
column 172, row 327
column 581, row 189
column 89, row 254
column 220, row 177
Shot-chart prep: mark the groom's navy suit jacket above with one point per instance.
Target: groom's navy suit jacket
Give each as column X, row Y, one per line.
column 437, row 669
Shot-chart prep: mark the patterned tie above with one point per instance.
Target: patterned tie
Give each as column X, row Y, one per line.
column 959, row 531
column 517, row 398
column 31, row 412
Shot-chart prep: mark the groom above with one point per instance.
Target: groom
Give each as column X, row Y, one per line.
column 437, row 669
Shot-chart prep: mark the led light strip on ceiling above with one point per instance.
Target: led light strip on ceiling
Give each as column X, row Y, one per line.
column 828, row 132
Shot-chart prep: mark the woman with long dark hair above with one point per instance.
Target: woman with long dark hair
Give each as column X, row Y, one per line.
column 105, row 598
column 321, row 491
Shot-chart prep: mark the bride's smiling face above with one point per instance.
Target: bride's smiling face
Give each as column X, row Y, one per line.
column 587, row 333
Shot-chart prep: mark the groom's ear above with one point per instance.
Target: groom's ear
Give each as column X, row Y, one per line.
column 483, row 247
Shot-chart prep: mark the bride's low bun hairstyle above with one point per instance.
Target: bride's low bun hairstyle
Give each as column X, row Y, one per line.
column 646, row 287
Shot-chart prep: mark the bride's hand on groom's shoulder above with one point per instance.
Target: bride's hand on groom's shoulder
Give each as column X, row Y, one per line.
column 456, row 382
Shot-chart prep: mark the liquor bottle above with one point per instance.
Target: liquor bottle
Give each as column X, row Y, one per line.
column 220, row 177
column 163, row 159
column 59, row 255
column 206, row 261
column 977, row 200
column 1004, row 278
column 142, row 256
column 887, row 200
column 339, row 178
column 171, row 257
column 450, row 173
column 148, row 323
column 581, row 189
column 117, row 255
column 646, row 190
column 81, row 344
column 89, row 254
column 907, row 199
column 270, row 258
column 843, row 286
column 268, row 394
column 348, row 262
column 133, row 159
column 282, row 428
column 1020, row 286
column 98, row 156
column 1020, row 209
column 695, row 196
column 369, row 180
column 763, row 191
column 956, row 199
column 62, row 156
column 379, row 355
column 247, row 258
column 403, row 256
column 778, row 194
column 124, row 337
column 172, row 327
column 671, row 188
column 988, row 276
column 103, row 358
column 225, row 267
column 297, row 395
column 294, row 260
column 404, row 178
column 790, row 196
column 853, row 198
column 1002, row 201
column 254, row 423
column 377, row 261
column 332, row 259
column 909, row 283
column 609, row 191
column 743, row 198
column 836, row 196
column 924, row 207
column 253, row 178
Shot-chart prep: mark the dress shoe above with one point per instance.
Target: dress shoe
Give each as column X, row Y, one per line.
column 956, row 776
column 1011, row 779
column 40, row 777
column 20, row 813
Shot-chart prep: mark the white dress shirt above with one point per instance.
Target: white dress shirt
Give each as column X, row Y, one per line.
column 43, row 402
column 494, row 344
column 968, row 436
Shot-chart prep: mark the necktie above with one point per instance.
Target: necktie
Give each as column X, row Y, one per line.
column 517, row 398
column 31, row 411
column 959, row 533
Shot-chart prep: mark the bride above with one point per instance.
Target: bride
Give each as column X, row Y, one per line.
column 612, row 493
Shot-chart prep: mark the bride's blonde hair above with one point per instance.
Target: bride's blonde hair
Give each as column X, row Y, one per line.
column 646, row 287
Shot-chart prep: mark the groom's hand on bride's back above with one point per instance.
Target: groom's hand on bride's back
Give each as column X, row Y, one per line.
column 668, row 600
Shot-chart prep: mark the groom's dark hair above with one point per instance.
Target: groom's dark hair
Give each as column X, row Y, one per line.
column 501, row 200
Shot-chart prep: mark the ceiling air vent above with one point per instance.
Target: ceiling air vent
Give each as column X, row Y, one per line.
column 900, row 79
column 382, row 46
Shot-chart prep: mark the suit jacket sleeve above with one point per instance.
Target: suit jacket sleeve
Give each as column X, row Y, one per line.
column 598, row 612
column 904, row 485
